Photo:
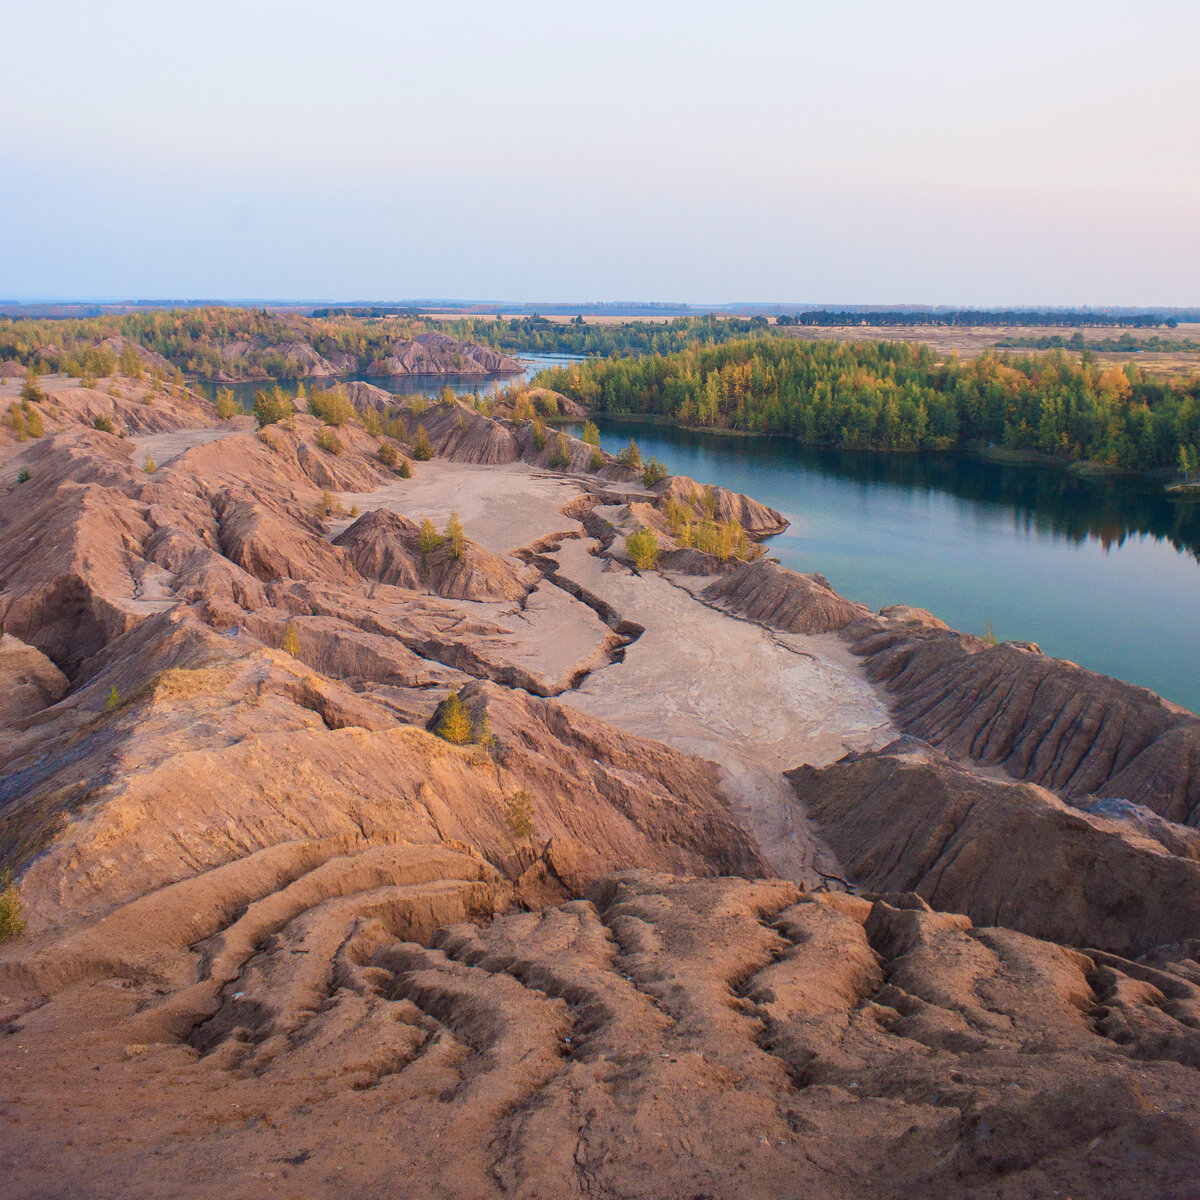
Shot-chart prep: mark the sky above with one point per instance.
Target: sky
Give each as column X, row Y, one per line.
column 860, row 151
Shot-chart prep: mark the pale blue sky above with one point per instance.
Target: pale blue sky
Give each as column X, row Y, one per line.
column 865, row 151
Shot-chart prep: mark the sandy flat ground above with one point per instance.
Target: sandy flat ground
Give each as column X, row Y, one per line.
column 754, row 701
column 501, row 507
column 165, row 447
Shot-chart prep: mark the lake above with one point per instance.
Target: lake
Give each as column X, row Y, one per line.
column 1105, row 573
column 400, row 385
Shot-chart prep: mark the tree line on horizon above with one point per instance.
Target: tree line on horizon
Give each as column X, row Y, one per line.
column 1071, row 318
column 901, row 396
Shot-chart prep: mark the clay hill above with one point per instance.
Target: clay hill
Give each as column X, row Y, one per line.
column 358, row 863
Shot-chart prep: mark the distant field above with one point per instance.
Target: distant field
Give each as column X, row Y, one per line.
column 968, row 342
column 965, row 341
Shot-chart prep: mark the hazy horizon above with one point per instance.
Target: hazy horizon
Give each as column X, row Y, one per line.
column 673, row 152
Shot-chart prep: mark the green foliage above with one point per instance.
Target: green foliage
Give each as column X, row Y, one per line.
column 989, row 638
column 12, row 924
column 428, row 540
column 591, row 433
column 404, row 470
column 900, row 396
column 271, row 406
column 31, row 390
column 113, row 700
column 226, row 407
column 596, row 462
column 455, row 537
column 332, row 406
column 422, row 449
column 104, row 424
column 539, row 435
column 129, row 364
column 291, row 640
column 388, row 454
column 560, row 456
column 446, row 397
column 653, row 472
column 150, row 466
column 455, row 723
column 33, row 420
column 327, row 440
column 631, row 456
column 643, row 548
column 481, row 731
column 520, row 816
column 23, row 475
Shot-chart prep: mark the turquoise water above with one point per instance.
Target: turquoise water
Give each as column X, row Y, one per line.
column 1104, row 573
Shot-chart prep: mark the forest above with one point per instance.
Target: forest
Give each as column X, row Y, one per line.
column 212, row 342
column 901, row 396
column 1073, row 318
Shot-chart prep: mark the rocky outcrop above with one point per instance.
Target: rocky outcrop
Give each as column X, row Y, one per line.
column 441, row 354
column 1042, row 719
column 723, row 505
column 766, row 592
column 384, row 546
column 29, row 681
column 458, row 432
column 906, row 818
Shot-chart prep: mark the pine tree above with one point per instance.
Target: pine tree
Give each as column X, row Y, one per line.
column 643, row 548
column 520, row 816
column 291, row 640
column 31, row 390
column 482, row 731
column 429, row 539
column 226, row 407
column 591, row 433
column 422, row 449
column 455, row 724
column 455, row 536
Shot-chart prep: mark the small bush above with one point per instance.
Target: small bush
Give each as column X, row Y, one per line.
column 226, row 407
column 455, row 724
column 104, row 424
column 560, row 457
column 270, row 407
column 422, row 449
column 33, row 420
column 291, row 640
column 404, row 470
column 23, row 475
column 539, row 436
column 591, row 433
column 989, row 638
column 31, row 390
column 333, row 407
column 327, row 440
column 389, row 455
column 150, row 466
column 520, row 816
column 631, row 456
column 653, row 472
column 643, row 548
column 597, row 460
column 12, row 924
column 113, row 700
